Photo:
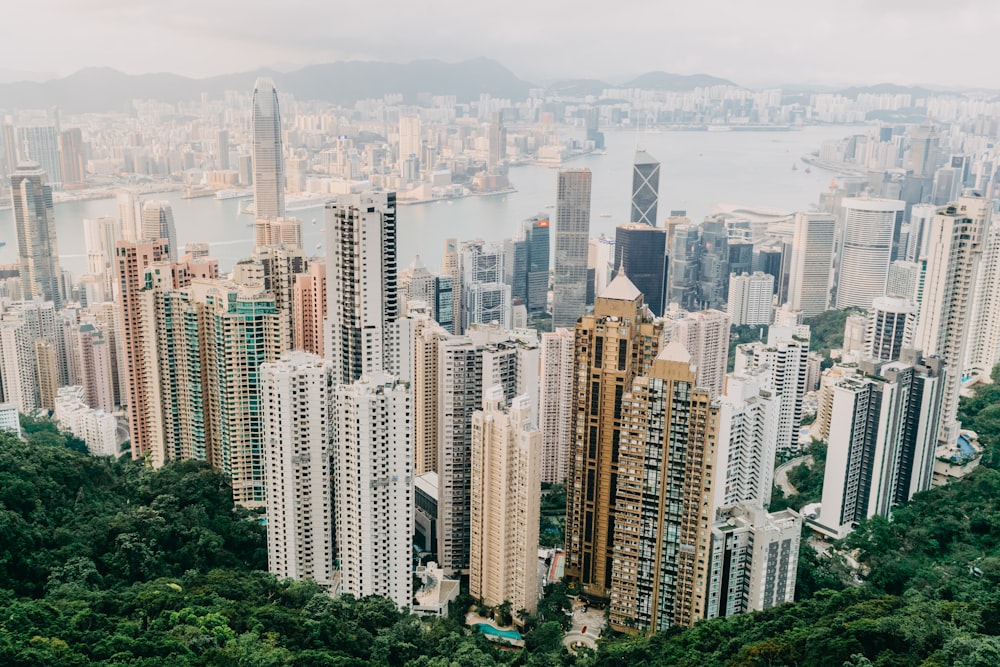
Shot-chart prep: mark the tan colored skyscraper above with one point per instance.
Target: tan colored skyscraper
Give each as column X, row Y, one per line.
column 48, row 372
column 427, row 335
column 506, row 493
column 663, row 507
column 618, row 342
column 309, row 308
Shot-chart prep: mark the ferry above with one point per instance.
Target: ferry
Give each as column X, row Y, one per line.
column 233, row 194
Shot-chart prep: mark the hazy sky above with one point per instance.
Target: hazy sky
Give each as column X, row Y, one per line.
column 753, row 43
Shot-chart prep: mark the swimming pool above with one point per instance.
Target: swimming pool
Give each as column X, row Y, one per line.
column 488, row 629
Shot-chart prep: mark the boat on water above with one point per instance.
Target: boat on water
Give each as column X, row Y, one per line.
column 233, row 194
column 194, row 193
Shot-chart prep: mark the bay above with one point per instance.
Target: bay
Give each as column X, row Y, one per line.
column 699, row 169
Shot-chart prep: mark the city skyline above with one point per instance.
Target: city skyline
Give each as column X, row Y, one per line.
column 217, row 39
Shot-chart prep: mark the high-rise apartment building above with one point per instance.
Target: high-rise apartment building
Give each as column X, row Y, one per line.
column 923, row 150
column 309, row 305
column 373, row 487
column 811, row 263
column 435, row 293
column 362, row 290
column 95, row 365
column 100, row 236
column 72, row 158
column 891, row 326
column 35, row 226
column 645, row 189
column 754, row 559
column 661, row 509
column 705, row 335
column 750, row 299
column 409, row 140
column 451, row 266
column 569, row 291
column 556, row 403
column 882, row 438
column 268, row 160
column 946, row 304
column 158, row 223
column 497, row 153
column 612, row 346
column 641, row 251
column 427, row 335
column 871, row 232
column 297, row 394
column 982, row 350
column 506, row 494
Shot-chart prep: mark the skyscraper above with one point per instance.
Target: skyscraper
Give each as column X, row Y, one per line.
column 982, row 351
column 506, row 494
column 536, row 236
column 954, row 253
column 268, row 160
column 71, row 158
column 923, row 150
column 661, row 513
column 705, row 335
column 40, row 143
column 645, row 188
column 614, row 345
column 362, row 291
column 297, row 397
column 99, row 237
column 309, row 305
column 811, row 264
column 555, row 403
column 498, row 142
column 641, row 252
column 750, row 299
column 569, row 291
column 890, row 328
column 35, row 224
column 485, row 296
column 870, row 235
column 158, row 223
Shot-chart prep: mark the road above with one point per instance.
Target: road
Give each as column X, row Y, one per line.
column 781, row 474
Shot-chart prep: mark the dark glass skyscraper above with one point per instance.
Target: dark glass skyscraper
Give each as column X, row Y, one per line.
column 268, row 166
column 641, row 252
column 645, row 188
column 536, row 234
column 35, row 223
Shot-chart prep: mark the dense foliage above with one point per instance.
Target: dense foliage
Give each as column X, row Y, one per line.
column 981, row 413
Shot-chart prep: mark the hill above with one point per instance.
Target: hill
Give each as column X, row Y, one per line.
column 675, row 82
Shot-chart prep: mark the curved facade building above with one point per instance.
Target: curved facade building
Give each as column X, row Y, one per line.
column 869, row 234
column 268, row 166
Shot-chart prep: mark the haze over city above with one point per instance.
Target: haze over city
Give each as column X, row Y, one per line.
column 754, row 44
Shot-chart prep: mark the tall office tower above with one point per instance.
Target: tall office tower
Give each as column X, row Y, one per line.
column 131, row 259
column 870, row 233
column 173, row 367
column 645, row 188
column 812, row 263
column 485, row 297
column 536, row 236
column 96, row 368
column 35, row 225
column 242, row 330
column 309, row 308
column 748, row 433
column 569, row 290
column 268, row 160
column 750, row 299
column 904, row 280
column 72, row 158
column 784, row 360
column 946, row 305
column 362, row 293
column 451, row 266
column 891, row 326
column 593, row 118
column 923, row 150
column 296, row 394
column 497, row 153
column 40, row 144
column 600, row 265
column 713, row 267
column 418, row 285
column 755, row 556
column 661, row 520
column 222, row 149
column 100, row 236
column 555, row 403
column 641, row 251
column 8, row 137
column 515, row 268
column 705, row 335
column 409, row 140
column 485, row 356
column 983, row 347
column 947, row 185
column 883, row 431
column 506, row 494
column 612, row 346
column 685, row 261
column 427, row 335
column 158, row 223
column 921, row 219
column 373, row 487
column 130, row 216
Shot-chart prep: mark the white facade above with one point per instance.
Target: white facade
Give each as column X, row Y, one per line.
column 945, row 320
column 904, row 280
column 555, row 403
column 506, row 494
column 95, row 427
column 158, row 223
column 747, row 440
column 866, row 247
column 750, row 299
column 812, row 263
column 296, row 394
column 705, row 335
column 373, row 487
column 891, row 327
column 99, row 237
column 9, row 420
column 982, row 350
